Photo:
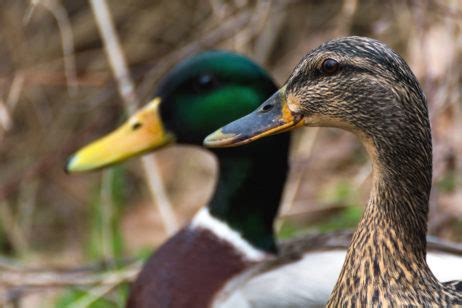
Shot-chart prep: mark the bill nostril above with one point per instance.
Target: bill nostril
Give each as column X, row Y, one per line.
column 136, row 125
column 267, row 107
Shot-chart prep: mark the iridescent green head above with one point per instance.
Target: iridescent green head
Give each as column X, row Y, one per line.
column 207, row 90
column 196, row 97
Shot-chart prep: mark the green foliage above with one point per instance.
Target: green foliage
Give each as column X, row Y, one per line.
column 346, row 219
column 449, row 182
column 105, row 242
column 288, row 230
column 458, row 230
column 144, row 253
column 75, row 296
column 341, row 193
column 3, row 241
column 106, row 212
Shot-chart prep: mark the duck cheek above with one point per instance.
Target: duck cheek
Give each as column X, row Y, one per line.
column 316, row 120
column 294, row 104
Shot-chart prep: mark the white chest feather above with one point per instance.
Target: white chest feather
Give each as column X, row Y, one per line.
column 309, row 282
column 204, row 220
column 305, row 283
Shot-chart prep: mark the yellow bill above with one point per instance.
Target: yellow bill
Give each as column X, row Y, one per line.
column 141, row 133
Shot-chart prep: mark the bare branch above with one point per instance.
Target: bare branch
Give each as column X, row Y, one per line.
column 61, row 279
column 67, row 38
column 226, row 30
column 127, row 91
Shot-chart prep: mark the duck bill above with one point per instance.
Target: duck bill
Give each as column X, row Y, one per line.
column 141, row 133
column 272, row 117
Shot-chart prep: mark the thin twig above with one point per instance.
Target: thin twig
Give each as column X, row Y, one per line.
column 345, row 17
column 7, row 108
column 26, row 205
column 107, row 206
column 12, row 228
column 92, row 296
column 15, row 91
column 60, row 279
column 268, row 35
column 5, row 117
column 362, row 175
column 127, row 91
column 13, row 265
column 67, row 38
column 303, row 152
column 224, row 31
column 257, row 21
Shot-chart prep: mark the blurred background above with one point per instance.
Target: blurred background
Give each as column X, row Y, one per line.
column 77, row 240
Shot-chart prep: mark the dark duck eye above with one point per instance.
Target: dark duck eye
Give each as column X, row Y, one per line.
column 205, row 82
column 330, row 66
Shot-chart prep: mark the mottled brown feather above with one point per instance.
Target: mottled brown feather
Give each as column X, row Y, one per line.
column 375, row 95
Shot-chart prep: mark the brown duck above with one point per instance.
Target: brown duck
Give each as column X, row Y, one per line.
column 361, row 85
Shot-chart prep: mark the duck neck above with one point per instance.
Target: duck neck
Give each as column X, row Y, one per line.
column 402, row 174
column 388, row 248
column 249, row 189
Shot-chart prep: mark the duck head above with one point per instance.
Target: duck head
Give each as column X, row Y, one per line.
column 197, row 96
column 354, row 83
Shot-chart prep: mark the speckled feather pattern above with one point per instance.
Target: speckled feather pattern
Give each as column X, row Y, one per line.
column 375, row 95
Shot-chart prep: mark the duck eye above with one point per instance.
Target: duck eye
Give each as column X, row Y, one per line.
column 136, row 125
column 205, row 82
column 330, row 66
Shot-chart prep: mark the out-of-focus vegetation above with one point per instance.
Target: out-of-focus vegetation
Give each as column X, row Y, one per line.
column 88, row 232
